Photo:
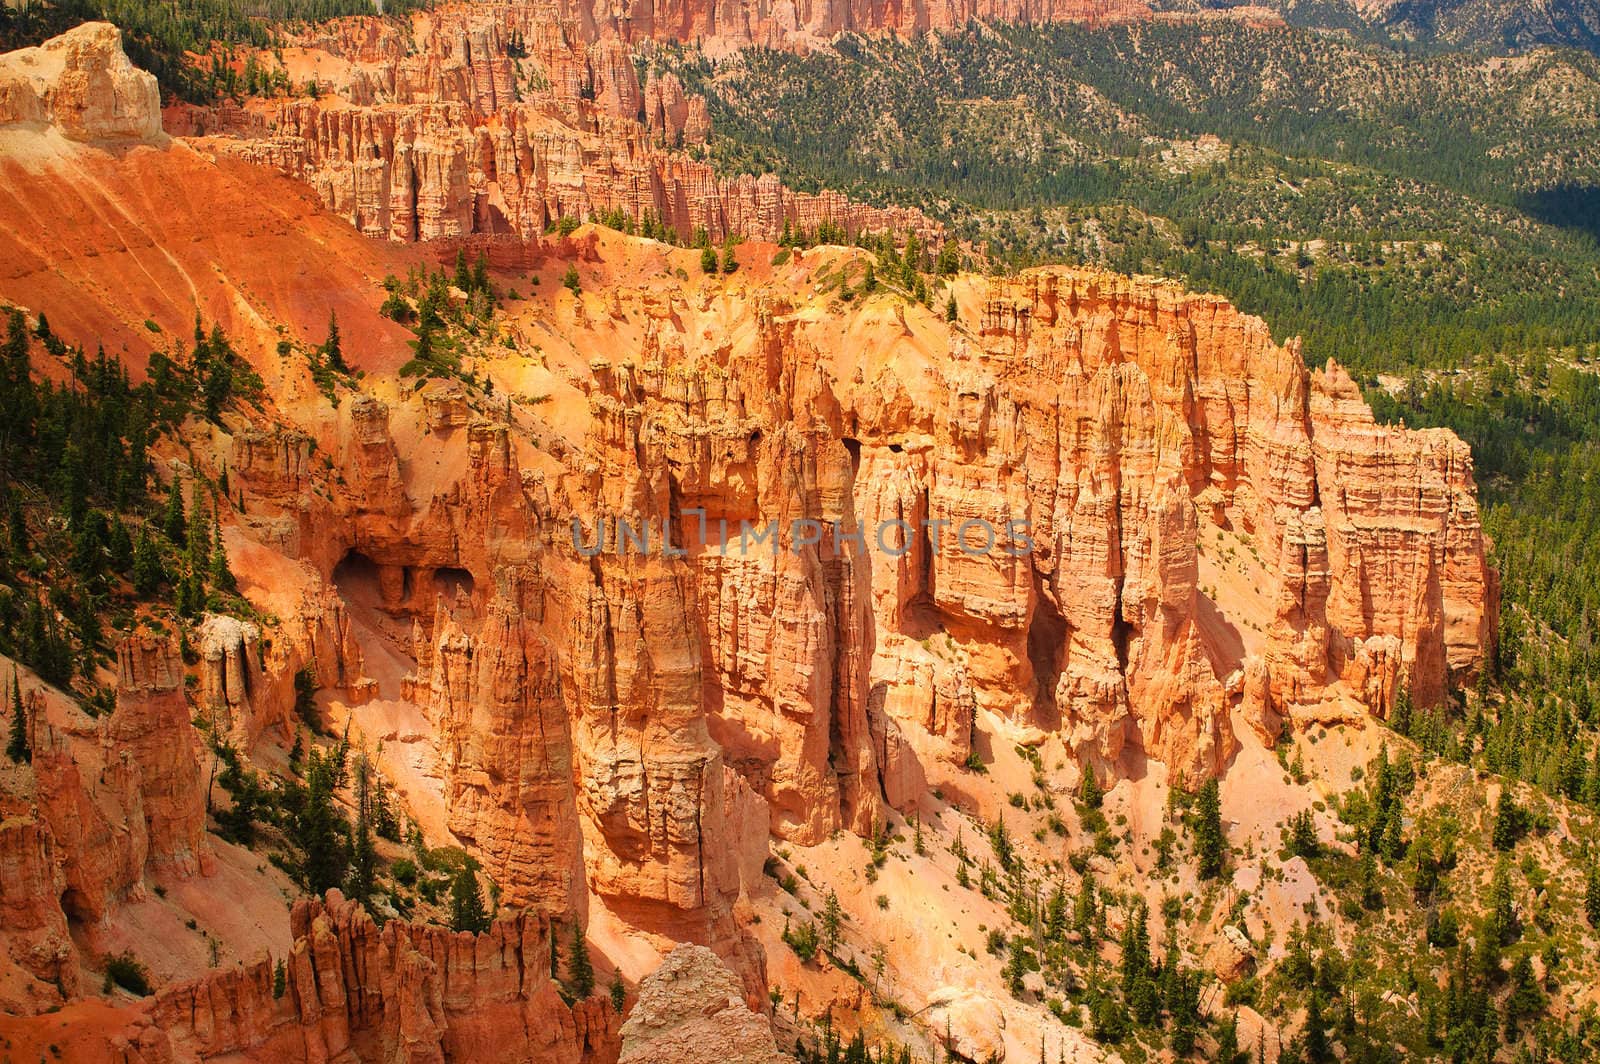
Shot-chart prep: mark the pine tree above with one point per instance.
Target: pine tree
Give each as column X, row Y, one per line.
column 1228, row 1041
column 1000, row 842
column 1507, row 822
column 1090, row 794
column 175, row 524
column 221, row 573
column 580, row 967
column 1400, row 714
column 20, row 747
column 16, row 527
column 729, row 263
column 321, row 829
column 120, row 546
column 1371, row 896
column 1591, row 896
column 1083, row 909
column 363, row 854
column 708, row 260
column 467, row 911
column 1209, row 845
column 332, row 349
column 571, row 281
column 619, row 993
column 1503, row 925
column 1316, row 1036
column 832, row 922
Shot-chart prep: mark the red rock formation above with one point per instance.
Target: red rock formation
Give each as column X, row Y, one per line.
column 402, row 992
column 443, row 137
column 105, row 802
column 353, row 991
column 630, row 728
column 735, row 24
column 82, row 84
column 1095, row 409
column 127, row 792
column 42, row 970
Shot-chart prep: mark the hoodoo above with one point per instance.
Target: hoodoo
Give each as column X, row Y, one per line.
column 485, row 581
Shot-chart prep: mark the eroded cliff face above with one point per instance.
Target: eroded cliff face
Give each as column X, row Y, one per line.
column 405, row 992
column 498, row 119
column 82, row 84
column 1216, row 539
column 1130, row 429
column 740, row 23
column 1091, row 507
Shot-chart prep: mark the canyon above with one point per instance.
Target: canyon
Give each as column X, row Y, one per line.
column 1131, row 533
column 499, row 120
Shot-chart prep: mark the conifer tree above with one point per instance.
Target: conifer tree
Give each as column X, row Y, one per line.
column 1090, row 794
column 332, row 348
column 363, row 854
column 220, row 572
column 321, row 829
column 19, row 748
column 467, row 910
column 581, row 968
column 1507, row 822
column 175, row 524
column 832, row 922
column 16, row 527
column 1209, row 845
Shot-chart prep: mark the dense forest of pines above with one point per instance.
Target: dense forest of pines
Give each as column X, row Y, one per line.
column 1392, row 209
column 88, row 542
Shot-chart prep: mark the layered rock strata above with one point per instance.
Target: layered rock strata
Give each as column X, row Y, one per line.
column 403, row 992
column 83, row 84
column 500, row 119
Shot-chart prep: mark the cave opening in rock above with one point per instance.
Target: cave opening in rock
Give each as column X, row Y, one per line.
column 1047, row 636
column 450, row 581
column 853, row 447
column 356, row 578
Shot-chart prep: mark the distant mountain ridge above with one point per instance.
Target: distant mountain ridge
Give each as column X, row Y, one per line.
column 1497, row 25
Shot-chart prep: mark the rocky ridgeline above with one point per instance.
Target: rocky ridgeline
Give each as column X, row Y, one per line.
column 82, row 84
column 435, row 130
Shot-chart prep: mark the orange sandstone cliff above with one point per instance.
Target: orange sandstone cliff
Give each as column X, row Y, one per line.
column 1194, row 540
column 497, row 120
